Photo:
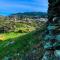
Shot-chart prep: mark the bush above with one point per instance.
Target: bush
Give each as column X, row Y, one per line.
column 1, row 30
column 19, row 31
column 24, row 30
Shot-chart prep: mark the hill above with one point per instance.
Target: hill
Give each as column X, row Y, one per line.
column 30, row 15
column 23, row 47
column 39, row 14
column 22, row 40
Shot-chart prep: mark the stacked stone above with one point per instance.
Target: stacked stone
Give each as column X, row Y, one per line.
column 52, row 37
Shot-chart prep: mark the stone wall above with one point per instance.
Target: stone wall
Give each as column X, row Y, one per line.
column 53, row 9
column 52, row 38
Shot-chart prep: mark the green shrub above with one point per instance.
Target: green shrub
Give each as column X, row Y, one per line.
column 19, row 31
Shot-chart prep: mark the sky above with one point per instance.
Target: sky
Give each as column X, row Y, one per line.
column 14, row 6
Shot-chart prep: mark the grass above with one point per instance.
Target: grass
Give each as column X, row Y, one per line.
column 9, row 35
column 23, row 43
column 5, row 36
column 2, row 37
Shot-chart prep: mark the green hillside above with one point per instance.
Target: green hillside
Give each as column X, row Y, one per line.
column 21, row 44
column 18, row 40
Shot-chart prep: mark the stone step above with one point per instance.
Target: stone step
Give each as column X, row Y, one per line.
column 49, row 37
column 51, row 27
column 50, row 46
column 47, row 45
column 58, row 37
column 57, row 53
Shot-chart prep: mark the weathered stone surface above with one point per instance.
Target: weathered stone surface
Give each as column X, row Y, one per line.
column 53, row 37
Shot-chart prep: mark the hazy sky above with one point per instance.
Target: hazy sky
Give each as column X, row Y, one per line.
column 13, row 6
